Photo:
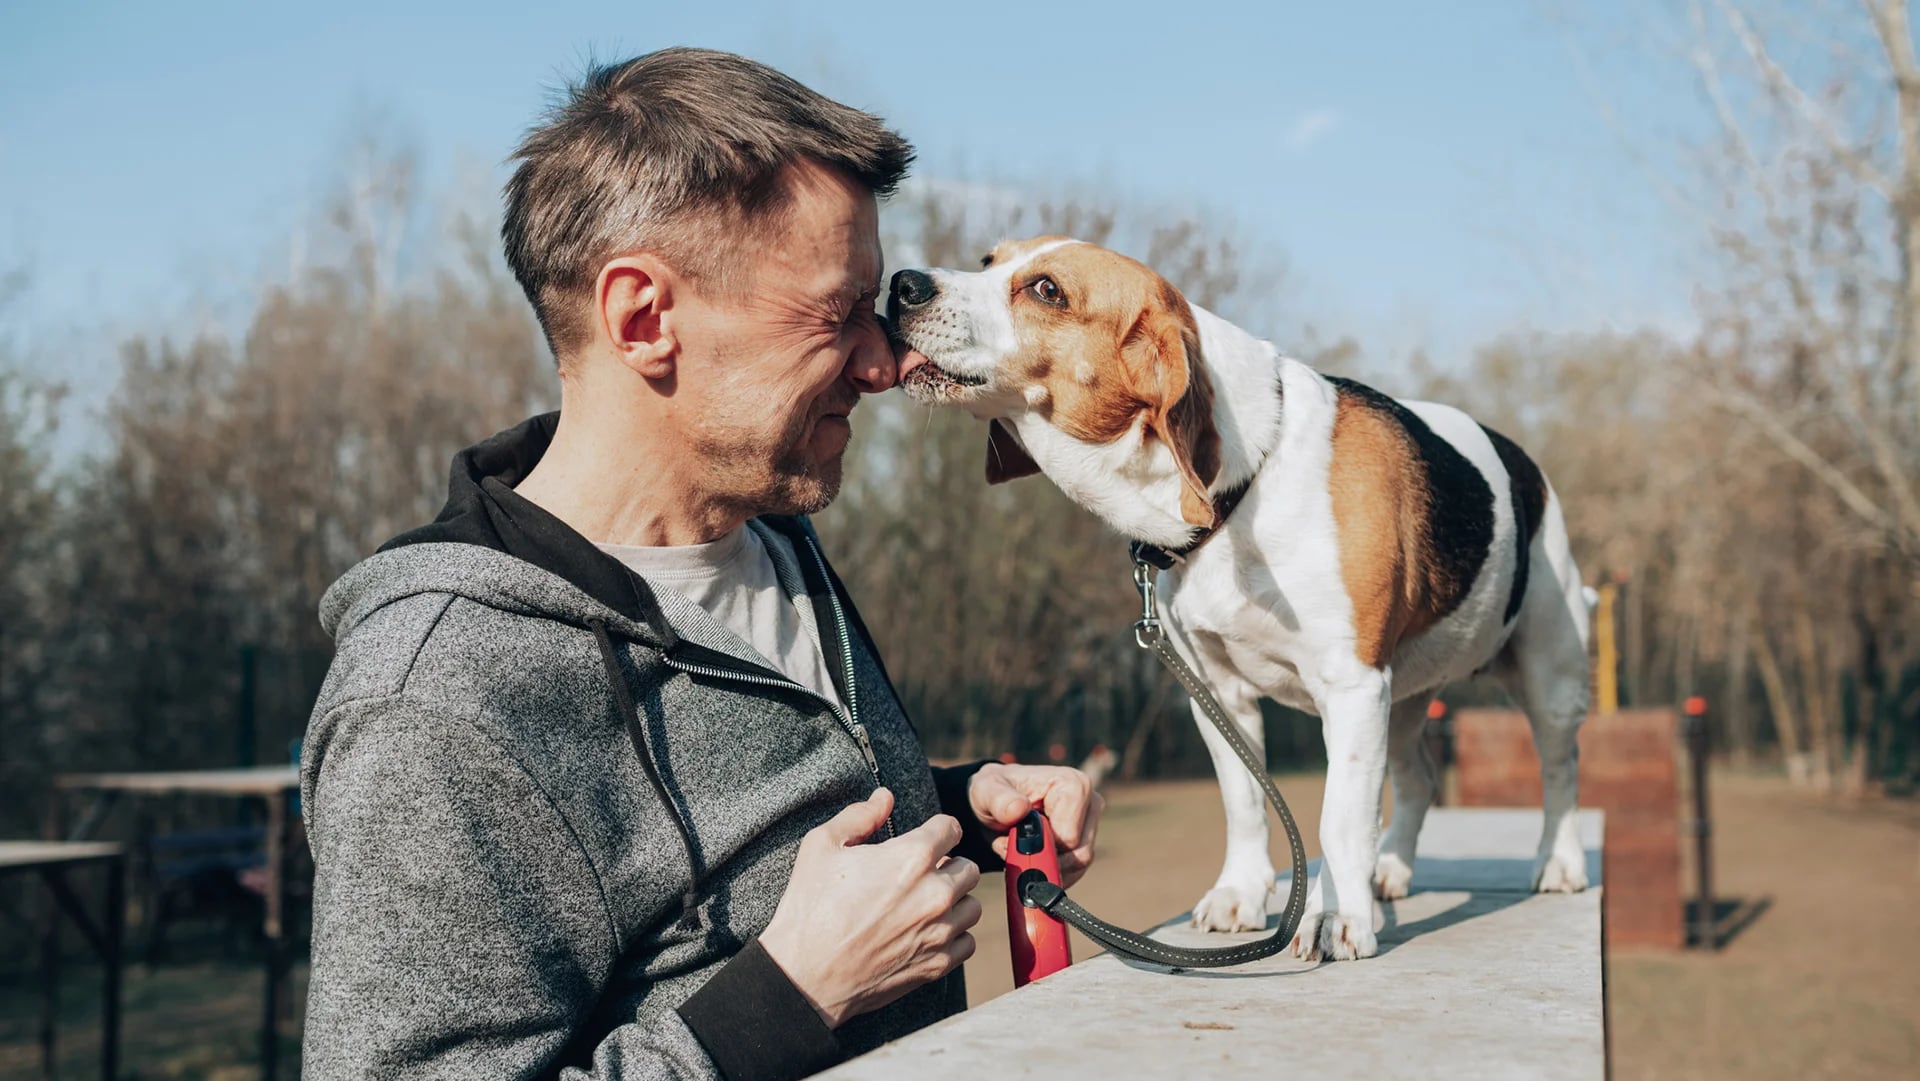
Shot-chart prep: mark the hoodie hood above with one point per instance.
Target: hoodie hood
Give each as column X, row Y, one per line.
column 487, row 576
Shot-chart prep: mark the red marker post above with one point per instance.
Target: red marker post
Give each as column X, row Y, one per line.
column 1699, row 751
column 1040, row 946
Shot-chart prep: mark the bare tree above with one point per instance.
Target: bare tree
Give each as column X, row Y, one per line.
column 1816, row 340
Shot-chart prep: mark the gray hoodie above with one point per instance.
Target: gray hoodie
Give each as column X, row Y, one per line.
column 551, row 808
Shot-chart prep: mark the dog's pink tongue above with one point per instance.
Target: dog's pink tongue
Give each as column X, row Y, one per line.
column 910, row 360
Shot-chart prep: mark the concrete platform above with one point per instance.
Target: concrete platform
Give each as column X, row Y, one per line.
column 1476, row 978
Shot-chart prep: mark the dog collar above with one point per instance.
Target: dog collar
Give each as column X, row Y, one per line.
column 1166, row 558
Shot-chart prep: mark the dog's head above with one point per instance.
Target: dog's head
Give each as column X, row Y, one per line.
column 1091, row 342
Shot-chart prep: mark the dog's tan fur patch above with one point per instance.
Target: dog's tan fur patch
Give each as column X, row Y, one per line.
column 1394, row 556
column 1375, row 514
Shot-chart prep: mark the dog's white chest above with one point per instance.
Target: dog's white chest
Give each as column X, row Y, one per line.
column 1273, row 627
column 1267, row 602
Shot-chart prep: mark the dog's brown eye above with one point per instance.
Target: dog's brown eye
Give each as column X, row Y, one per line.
column 1048, row 291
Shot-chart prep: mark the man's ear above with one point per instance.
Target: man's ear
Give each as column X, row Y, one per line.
column 1007, row 459
column 1180, row 401
column 632, row 298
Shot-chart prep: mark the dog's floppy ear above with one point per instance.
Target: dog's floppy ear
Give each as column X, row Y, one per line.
column 1174, row 383
column 1007, row 459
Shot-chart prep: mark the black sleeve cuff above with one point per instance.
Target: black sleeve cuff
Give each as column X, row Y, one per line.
column 756, row 1025
column 976, row 843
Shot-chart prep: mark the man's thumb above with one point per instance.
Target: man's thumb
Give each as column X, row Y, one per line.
column 859, row 821
column 998, row 803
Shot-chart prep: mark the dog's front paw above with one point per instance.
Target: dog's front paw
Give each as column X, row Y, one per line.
column 1226, row 908
column 1392, row 878
column 1560, row 873
column 1347, row 938
column 1332, row 936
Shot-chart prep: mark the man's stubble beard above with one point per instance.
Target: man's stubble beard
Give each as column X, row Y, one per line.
column 757, row 476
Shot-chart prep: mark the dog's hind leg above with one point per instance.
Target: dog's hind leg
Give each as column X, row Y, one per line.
column 1238, row 899
column 1415, row 783
column 1555, row 708
column 1548, row 676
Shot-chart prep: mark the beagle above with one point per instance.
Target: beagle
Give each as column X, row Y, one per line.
column 1326, row 546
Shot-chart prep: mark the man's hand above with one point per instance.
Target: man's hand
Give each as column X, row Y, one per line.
column 1002, row 795
column 860, row 925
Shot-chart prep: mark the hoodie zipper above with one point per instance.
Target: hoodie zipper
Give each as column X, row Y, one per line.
column 846, row 648
column 849, row 718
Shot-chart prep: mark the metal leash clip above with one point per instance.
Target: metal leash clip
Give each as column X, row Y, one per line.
column 1147, row 630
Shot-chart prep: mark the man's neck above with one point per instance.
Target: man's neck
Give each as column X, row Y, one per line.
column 612, row 481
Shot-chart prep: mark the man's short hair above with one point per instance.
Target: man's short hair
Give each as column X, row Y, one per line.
column 680, row 153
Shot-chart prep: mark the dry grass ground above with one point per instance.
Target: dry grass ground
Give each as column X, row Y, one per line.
column 1825, row 983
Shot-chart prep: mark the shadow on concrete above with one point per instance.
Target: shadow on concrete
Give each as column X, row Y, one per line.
column 1478, row 887
column 1447, row 892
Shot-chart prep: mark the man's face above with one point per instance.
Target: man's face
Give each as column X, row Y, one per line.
column 767, row 380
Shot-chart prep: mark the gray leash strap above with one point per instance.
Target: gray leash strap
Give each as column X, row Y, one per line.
column 1053, row 900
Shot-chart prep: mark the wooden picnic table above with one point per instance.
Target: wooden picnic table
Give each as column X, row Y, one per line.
column 51, row 860
column 276, row 786
column 261, row 781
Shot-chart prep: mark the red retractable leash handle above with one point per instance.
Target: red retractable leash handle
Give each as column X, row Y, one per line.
column 1040, row 946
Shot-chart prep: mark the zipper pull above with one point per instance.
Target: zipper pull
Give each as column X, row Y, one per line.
column 873, row 766
column 866, row 747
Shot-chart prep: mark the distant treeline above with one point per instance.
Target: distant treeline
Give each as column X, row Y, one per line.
column 1757, row 488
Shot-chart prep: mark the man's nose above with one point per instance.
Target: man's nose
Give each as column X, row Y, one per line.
column 912, row 288
column 873, row 367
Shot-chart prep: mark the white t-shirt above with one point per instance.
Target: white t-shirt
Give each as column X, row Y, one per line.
column 735, row 581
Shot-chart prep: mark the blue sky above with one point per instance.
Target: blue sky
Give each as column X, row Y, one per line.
column 1432, row 175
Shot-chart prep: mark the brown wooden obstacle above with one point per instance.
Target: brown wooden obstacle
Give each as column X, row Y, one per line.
column 1627, row 769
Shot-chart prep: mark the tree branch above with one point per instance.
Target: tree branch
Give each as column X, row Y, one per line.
column 1765, row 421
column 1777, row 80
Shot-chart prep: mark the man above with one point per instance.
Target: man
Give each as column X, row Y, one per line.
column 588, row 783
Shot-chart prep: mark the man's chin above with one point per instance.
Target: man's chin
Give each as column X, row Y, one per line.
column 808, row 490
column 813, row 499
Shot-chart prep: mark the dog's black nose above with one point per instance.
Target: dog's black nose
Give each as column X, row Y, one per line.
column 912, row 288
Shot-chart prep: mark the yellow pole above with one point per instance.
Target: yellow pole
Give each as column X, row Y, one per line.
column 1607, row 674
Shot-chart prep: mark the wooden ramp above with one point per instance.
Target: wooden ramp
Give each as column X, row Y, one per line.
column 1476, row 978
